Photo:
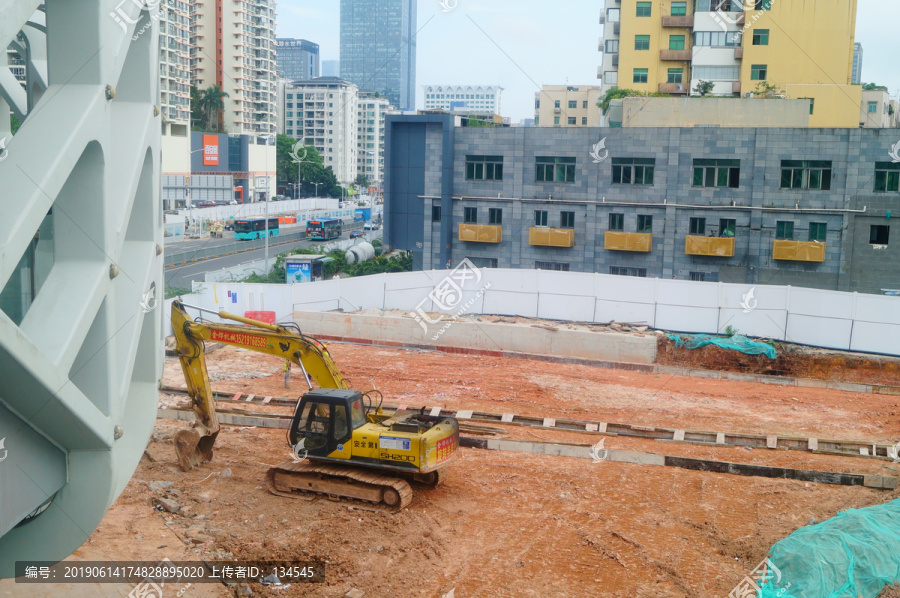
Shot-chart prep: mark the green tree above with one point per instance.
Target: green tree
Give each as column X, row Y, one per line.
column 704, row 88
column 873, row 87
column 616, row 94
column 14, row 123
column 362, row 181
column 209, row 107
column 311, row 167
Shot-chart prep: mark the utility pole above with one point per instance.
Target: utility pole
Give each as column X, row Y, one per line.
column 267, row 207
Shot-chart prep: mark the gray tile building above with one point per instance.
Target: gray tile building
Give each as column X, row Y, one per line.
column 803, row 207
column 297, row 59
column 378, row 48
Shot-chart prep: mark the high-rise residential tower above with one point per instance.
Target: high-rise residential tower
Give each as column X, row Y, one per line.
column 234, row 47
column 378, row 48
column 298, row 59
column 738, row 48
column 857, row 63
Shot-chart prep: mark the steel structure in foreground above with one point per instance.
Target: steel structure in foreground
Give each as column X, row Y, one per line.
column 80, row 266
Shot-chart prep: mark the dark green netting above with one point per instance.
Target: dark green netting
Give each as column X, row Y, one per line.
column 854, row 554
column 736, row 343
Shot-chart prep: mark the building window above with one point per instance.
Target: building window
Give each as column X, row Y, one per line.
column 676, row 42
column 760, row 37
column 470, row 215
column 727, row 227
column 584, row 105
column 583, row 120
column 633, row 171
column 484, row 168
column 679, row 9
column 643, row 9
column 641, row 42
column 555, row 120
column 540, row 217
column 495, row 216
column 879, row 234
column 483, row 262
column 537, row 104
column 812, row 104
column 556, row 104
column 698, row 227
column 758, row 72
column 435, row 213
column 817, row 231
column 873, row 107
column 764, row 4
column 717, row 173
column 640, row 76
column 784, row 230
column 573, row 104
column 717, row 39
column 624, row 271
column 887, row 176
column 803, row 174
column 572, row 120
column 617, row 222
column 550, row 169
column 698, row 276
column 567, row 220
column 676, row 76
column 557, row 266
column 644, row 224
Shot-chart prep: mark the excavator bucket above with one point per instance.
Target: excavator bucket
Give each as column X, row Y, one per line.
column 194, row 449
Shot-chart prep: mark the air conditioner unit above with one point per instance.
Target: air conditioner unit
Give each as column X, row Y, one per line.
column 749, row 94
column 679, row 88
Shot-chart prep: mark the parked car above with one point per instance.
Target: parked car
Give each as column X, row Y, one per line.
column 355, row 234
column 371, row 226
column 205, row 204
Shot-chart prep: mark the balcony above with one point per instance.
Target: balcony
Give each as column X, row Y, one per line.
column 709, row 246
column 673, row 88
column 480, row 233
column 738, row 53
column 639, row 242
column 678, row 55
column 799, row 251
column 551, row 237
column 686, row 22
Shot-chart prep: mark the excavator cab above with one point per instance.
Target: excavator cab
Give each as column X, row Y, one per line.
column 324, row 421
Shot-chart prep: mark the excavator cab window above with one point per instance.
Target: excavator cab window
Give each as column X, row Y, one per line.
column 314, row 425
column 357, row 413
column 341, row 432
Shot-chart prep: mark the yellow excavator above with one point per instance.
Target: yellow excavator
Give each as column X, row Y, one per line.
column 345, row 446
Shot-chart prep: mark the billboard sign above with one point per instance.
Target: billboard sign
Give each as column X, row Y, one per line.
column 298, row 272
column 210, row 150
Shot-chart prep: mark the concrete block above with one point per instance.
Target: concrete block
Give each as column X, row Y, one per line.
column 720, row 438
column 637, row 458
column 880, row 482
column 464, row 414
column 864, row 450
column 507, row 417
column 250, row 398
column 771, row 442
column 267, row 400
column 679, row 435
column 435, row 411
column 813, row 444
column 402, row 407
column 493, row 444
column 592, row 428
column 549, row 422
column 581, row 452
column 601, row 427
column 516, row 446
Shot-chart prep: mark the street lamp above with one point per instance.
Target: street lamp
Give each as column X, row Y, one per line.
column 266, row 139
column 317, row 187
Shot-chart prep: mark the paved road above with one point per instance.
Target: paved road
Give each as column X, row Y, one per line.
column 228, row 238
column 181, row 276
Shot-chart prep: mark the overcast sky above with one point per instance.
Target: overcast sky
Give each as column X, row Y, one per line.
column 523, row 44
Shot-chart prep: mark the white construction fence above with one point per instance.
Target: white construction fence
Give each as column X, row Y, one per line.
column 832, row 319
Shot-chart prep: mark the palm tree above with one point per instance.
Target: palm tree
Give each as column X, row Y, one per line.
column 212, row 106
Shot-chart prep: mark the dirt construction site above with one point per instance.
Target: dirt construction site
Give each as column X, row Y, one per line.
column 515, row 523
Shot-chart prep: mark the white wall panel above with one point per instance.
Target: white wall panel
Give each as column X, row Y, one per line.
column 820, row 332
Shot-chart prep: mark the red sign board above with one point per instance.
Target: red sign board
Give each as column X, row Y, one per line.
column 210, row 150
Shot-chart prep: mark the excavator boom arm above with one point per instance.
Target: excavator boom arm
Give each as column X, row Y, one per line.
column 312, row 356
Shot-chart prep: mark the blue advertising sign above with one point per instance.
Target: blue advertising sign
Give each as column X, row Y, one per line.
column 298, row 272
